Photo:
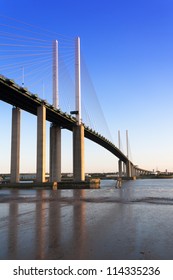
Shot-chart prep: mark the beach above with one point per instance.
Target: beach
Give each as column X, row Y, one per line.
column 134, row 222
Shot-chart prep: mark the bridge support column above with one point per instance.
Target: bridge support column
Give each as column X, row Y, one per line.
column 41, row 144
column 128, row 169
column 120, row 168
column 55, row 153
column 124, row 168
column 15, row 146
column 132, row 170
column 78, row 153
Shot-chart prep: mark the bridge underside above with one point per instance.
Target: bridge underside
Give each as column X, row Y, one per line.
column 20, row 97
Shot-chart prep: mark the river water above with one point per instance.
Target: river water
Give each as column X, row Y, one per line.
column 134, row 222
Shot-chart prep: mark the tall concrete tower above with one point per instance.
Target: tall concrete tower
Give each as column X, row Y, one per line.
column 55, row 129
column 78, row 80
column 78, row 130
column 55, row 74
column 127, row 143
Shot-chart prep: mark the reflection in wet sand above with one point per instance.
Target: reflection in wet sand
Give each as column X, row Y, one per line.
column 12, row 229
column 79, row 223
column 40, row 225
column 87, row 224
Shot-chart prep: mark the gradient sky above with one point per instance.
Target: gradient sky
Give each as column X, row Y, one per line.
column 127, row 47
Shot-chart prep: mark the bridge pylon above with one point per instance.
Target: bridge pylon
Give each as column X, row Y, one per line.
column 78, row 130
column 55, row 129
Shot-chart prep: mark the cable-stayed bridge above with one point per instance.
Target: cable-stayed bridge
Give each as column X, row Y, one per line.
column 21, row 98
column 26, row 99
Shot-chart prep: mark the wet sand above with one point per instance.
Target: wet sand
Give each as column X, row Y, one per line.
column 84, row 224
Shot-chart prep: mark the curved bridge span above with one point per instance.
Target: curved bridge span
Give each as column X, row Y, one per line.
column 20, row 97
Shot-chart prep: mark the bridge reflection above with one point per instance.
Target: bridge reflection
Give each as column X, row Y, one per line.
column 51, row 224
column 84, row 224
column 43, row 224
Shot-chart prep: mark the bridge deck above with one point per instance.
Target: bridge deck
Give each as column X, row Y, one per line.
column 20, row 97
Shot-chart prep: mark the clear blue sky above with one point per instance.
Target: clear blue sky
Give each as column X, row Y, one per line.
column 128, row 50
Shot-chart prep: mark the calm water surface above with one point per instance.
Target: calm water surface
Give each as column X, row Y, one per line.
column 134, row 222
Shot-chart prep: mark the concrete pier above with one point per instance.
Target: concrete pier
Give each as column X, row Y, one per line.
column 128, row 169
column 15, row 145
column 41, row 144
column 55, row 153
column 78, row 153
column 120, row 168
